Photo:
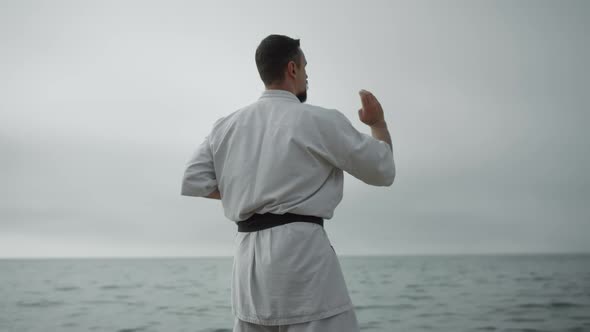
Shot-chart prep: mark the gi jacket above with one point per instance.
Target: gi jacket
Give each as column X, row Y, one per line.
column 279, row 155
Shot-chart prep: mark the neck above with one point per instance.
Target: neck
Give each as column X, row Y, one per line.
column 282, row 86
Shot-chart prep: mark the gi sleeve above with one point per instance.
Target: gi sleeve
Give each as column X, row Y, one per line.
column 362, row 156
column 199, row 176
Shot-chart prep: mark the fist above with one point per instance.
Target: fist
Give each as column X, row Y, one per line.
column 371, row 112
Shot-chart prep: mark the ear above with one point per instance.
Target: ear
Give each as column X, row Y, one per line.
column 291, row 67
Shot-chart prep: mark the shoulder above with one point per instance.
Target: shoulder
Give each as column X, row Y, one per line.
column 221, row 126
column 222, row 121
column 325, row 118
column 323, row 114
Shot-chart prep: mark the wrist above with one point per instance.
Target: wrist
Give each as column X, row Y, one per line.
column 379, row 124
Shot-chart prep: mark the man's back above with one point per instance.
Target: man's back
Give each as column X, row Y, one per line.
column 278, row 155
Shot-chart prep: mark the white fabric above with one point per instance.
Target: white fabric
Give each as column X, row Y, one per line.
column 279, row 155
column 287, row 274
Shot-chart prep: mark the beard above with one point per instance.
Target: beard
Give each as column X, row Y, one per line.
column 302, row 96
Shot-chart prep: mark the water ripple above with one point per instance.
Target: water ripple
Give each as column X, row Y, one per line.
column 551, row 305
column 66, row 288
column 392, row 306
column 114, row 286
column 39, row 304
column 133, row 329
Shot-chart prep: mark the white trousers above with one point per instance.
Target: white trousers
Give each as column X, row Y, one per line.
column 343, row 322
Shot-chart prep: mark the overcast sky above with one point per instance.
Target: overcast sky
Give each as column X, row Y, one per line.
column 103, row 102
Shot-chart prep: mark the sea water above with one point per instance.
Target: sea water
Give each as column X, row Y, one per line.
column 390, row 293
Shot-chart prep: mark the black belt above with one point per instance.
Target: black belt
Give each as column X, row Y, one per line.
column 267, row 220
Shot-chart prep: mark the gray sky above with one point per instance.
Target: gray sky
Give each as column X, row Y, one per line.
column 102, row 104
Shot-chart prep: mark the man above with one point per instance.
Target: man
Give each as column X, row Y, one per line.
column 277, row 166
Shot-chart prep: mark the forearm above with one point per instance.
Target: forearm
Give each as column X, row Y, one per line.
column 380, row 132
column 214, row 195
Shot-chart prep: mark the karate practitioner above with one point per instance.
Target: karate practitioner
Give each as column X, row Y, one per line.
column 277, row 166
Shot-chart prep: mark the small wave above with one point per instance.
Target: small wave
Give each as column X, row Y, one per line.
column 135, row 303
column 111, row 286
column 393, row 306
column 551, row 305
column 522, row 279
column 39, row 304
column 566, row 305
column 114, row 286
column 133, row 329
column 370, row 325
column 221, row 306
column 539, row 278
column 182, row 313
column 525, row 320
column 426, row 314
column 417, row 297
column 66, row 288
column 425, row 327
column 486, row 328
column 69, row 324
column 413, row 286
column 122, row 296
column 577, row 329
column 436, row 314
column 75, row 314
column 542, row 279
column 100, row 302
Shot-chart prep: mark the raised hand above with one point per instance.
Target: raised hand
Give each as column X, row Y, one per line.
column 371, row 112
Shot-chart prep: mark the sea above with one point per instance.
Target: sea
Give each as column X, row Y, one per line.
column 526, row 292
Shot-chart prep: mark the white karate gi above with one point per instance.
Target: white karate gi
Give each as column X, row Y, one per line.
column 279, row 155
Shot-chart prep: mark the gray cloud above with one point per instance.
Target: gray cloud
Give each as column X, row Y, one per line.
column 101, row 105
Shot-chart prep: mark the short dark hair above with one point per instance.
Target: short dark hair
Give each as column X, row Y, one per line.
column 272, row 56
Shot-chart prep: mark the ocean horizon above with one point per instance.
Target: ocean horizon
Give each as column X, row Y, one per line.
column 405, row 292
